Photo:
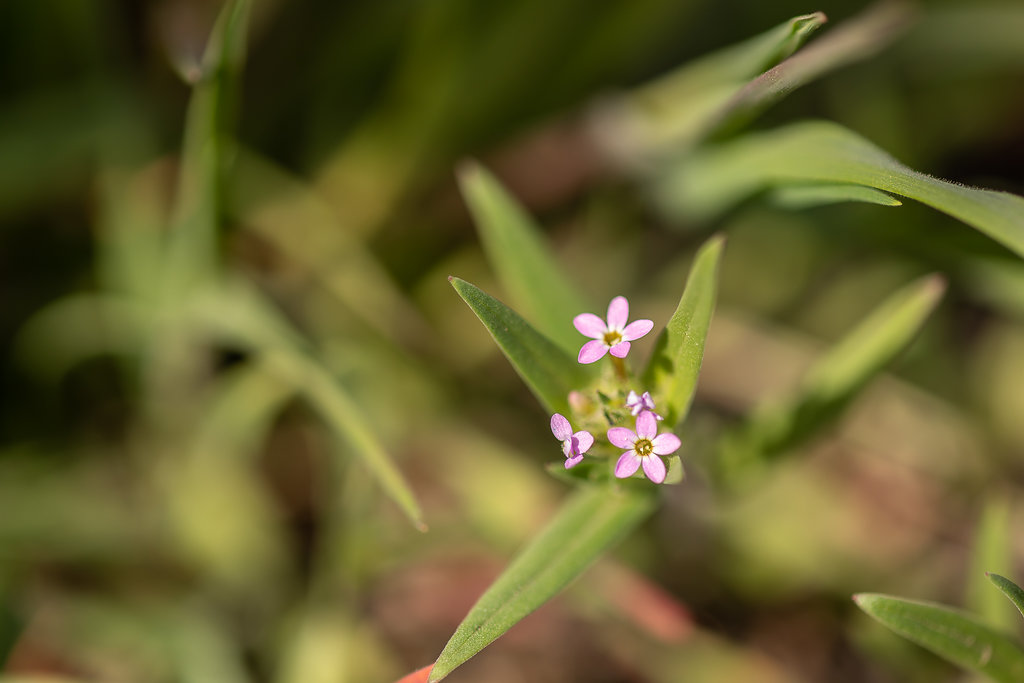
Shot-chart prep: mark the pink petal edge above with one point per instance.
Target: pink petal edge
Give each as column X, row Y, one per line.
column 592, row 351
column 584, row 440
column 629, row 462
column 666, row 443
column 621, row 437
column 654, row 468
column 618, row 313
column 560, row 427
column 620, row 350
column 589, row 325
column 572, row 462
column 637, row 329
column 646, row 425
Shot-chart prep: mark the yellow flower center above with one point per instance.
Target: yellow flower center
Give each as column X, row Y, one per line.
column 612, row 338
column 643, row 447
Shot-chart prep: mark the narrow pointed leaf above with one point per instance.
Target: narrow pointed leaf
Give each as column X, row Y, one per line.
column 1010, row 590
column 671, row 374
column 192, row 253
column 818, row 194
column 550, row 372
column 990, row 556
column 517, row 252
column 953, row 635
column 833, row 380
column 588, row 524
column 711, row 181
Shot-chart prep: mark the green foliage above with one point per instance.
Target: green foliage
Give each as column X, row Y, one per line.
column 1010, row 590
column 587, row 525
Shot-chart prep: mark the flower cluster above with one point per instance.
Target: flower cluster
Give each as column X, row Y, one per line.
column 643, row 447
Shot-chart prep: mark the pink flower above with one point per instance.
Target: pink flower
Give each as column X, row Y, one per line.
column 613, row 336
column 638, row 404
column 573, row 445
column 645, row 446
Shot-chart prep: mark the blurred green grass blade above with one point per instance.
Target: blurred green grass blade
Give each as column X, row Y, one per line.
column 675, row 110
column 672, row 372
column 991, row 553
column 818, row 194
column 517, row 252
column 856, row 39
column 833, row 381
column 711, row 181
column 1009, row 589
column 192, row 253
column 130, row 232
column 954, row 636
column 588, row 524
column 550, row 372
column 240, row 316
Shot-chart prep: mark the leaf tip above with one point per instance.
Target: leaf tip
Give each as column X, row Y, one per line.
column 934, row 286
column 466, row 171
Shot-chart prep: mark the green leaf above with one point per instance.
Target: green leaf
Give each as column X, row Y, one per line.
column 675, row 110
column 953, row 635
column 192, row 253
column 709, row 182
column 589, row 523
column 1010, row 590
column 803, row 196
column 832, row 382
column 991, row 555
column 671, row 374
column 550, row 372
column 517, row 252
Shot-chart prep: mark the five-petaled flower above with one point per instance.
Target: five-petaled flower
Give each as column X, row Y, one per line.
column 573, row 445
column 611, row 337
column 645, row 446
column 638, row 404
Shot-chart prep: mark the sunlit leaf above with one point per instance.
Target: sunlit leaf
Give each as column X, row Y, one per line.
column 833, row 381
column 1010, row 590
column 718, row 177
column 550, row 372
column 953, row 635
column 671, row 374
column 517, row 252
column 588, row 524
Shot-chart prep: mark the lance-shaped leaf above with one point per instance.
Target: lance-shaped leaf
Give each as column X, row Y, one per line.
column 833, row 380
column 671, row 374
column 192, row 250
column 517, row 252
column 1009, row 589
column 953, row 635
column 818, row 194
column 706, row 183
column 550, row 372
column 592, row 520
column 990, row 556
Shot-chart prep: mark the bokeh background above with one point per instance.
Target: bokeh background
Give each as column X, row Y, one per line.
column 176, row 507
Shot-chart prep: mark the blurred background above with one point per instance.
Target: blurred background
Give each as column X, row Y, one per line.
column 181, row 497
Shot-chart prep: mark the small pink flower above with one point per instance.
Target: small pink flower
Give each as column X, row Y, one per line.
column 613, row 336
column 573, row 445
column 638, row 404
column 645, row 446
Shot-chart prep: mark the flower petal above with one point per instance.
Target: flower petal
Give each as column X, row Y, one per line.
column 646, row 425
column 666, row 443
column 637, row 329
column 654, row 468
column 592, row 351
column 620, row 350
column 628, row 463
column 572, row 462
column 621, row 437
column 560, row 427
column 618, row 313
column 589, row 325
column 584, row 440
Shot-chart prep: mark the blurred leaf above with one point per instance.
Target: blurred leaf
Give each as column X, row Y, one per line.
column 803, row 196
column 856, row 39
column 517, row 252
column 192, row 255
column 833, row 381
column 716, row 178
column 588, row 524
column 672, row 371
column 991, row 553
column 550, row 372
column 675, row 110
column 952, row 635
column 1009, row 589
column 130, row 232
